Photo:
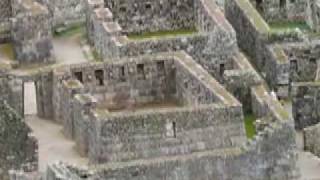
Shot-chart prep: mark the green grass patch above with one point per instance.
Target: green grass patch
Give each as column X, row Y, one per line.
column 159, row 34
column 249, row 120
column 69, row 31
column 7, row 50
column 283, row 26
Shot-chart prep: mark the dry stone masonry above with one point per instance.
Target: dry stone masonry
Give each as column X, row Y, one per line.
column 170, row 93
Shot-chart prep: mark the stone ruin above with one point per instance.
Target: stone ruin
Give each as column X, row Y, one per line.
column 158, row 104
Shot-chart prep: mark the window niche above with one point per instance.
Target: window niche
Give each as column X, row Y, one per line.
column 99, row 74
column 171, row 128
column 141, row 72
column 79, row 76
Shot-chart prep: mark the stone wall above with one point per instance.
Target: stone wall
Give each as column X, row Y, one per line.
column 305, row 107
column 31, row 33
column 12, row 91
column 278, row 163
column 6, row 14
column 303, row 59
column 5, row 9
column 65, row 12
column 212, row 46
column 312, row 12
column 137, row 16
column 253, row 38
column 18, row 149
column 252, row 30
column 281, row 10
column 311, row 139
column 188, row 84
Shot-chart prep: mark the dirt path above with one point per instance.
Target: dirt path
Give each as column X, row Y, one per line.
column 68, row 50
column 53, row 146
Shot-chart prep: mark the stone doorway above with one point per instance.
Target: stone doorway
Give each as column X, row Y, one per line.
column 30, row 99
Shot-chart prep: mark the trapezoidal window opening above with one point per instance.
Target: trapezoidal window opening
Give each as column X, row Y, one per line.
column 79, row 76
column 99, row 74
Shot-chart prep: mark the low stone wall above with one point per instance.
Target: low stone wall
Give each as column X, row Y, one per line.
column 305, row 107
column 18, row 149
column 311, row 139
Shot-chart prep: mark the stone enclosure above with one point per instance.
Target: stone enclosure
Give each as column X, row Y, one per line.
column 169, row 90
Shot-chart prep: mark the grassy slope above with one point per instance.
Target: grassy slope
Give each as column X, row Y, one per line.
column 158, row 34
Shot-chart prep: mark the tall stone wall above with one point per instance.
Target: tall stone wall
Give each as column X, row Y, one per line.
column 5, row 9
column 31, row 33
column 305, row 104
column 18, row 149
column 137, row 16
column 253, row 38
column 12, row 91
column 252, row 30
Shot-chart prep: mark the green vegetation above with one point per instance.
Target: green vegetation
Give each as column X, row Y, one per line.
column 249, row 120
column 7, row 51
column 158, row 34
column 285, row 26
column 69, row 31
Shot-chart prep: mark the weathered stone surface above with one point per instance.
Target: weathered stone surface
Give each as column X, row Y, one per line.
column 311, row 139
column 17, row 147
column 305, row 105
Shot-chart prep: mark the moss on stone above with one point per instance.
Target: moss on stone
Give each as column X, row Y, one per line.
column 284, row 26
column 7, row 51
column 165, row 33
column 249, row 120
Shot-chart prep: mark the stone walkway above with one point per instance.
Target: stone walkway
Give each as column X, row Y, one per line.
column 53, row 145
column 68, row 50
column 308, row 163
